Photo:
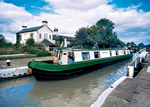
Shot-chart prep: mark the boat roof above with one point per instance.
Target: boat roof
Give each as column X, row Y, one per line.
column 70, row 49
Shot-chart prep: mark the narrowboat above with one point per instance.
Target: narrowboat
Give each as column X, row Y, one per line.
column 85, row 60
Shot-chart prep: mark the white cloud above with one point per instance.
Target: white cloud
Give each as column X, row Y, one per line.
column 72, row 15
column 42, row 8
column 133, row 39
column 77, row 4
column 10, row 37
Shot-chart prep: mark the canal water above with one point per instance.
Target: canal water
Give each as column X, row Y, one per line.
column 81, row 91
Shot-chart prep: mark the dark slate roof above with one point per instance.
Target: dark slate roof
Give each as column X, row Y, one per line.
column 63, row 37
column 46, row 42
column 30, row 29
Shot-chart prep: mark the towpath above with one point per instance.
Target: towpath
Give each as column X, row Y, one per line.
column 132, row 92
column 18, row 62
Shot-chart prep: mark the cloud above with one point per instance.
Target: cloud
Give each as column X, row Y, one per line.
column 72, row 15
column 12, row 16
column 134, row 39
column 82, row 5
column 11, row 37
column 42, row 8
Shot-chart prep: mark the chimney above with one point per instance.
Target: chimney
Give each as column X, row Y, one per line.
column 24, row 27
column 45, row 23
column 55, row 31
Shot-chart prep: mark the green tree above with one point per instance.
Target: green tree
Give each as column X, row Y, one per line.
column 105, row 24
column 30, row 42
column 128, row 44
column 17, row 40
column 102, row 33
column 141, row 44
column 60, row 40
column 2, row 39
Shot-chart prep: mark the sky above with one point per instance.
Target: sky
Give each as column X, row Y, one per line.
column 131, row 17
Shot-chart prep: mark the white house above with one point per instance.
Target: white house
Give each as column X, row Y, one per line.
column 43, row 34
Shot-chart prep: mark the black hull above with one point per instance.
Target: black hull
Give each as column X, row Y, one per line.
column 48, row 75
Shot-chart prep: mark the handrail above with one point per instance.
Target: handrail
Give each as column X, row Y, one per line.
column 144, row 49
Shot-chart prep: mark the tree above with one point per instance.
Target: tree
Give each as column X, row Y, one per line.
column 141, row 45
column 30, row 42
column 133, row 44
column 2, row 39
column 105, row 24
column 60, row 40
column 17, row 40
column 128, row 44
column 102, row 33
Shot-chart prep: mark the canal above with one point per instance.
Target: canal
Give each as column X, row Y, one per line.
column 81, row 91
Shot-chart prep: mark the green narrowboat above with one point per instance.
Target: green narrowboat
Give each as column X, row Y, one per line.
column 85, row 60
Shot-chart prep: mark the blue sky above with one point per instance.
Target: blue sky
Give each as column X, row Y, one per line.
column 131, row 17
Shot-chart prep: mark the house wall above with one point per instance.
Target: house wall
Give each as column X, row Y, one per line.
column 45, row 30
column 68, row 42
column 26, row 35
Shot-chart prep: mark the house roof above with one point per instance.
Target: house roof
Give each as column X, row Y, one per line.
column 63, row 37
column 46, row 42
column 30, row 29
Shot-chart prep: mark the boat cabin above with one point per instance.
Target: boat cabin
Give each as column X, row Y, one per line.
column 79, row 55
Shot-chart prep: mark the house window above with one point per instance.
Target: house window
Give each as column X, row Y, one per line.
column 110, row 53
column 31, row 35
column 40, row 35
column 49, row 36
column 45, row 36
column 85, row 55
column 116, row 52
column 96, row 54
column 20, row 38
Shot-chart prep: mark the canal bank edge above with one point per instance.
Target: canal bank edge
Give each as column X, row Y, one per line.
column 129, row 92
column 104, row 95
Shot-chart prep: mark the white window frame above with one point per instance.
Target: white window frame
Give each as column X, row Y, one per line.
column 45, row 35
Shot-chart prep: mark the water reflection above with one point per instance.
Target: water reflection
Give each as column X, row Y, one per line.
column 15, row 93
column 76, row 92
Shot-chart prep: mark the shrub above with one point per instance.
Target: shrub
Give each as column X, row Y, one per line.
column 38, row 52
column 42, row 53
column 30, row 42
column 32, row 51
column 25, row 48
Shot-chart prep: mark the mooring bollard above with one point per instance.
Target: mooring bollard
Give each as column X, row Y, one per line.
column 130, row 71
column 8, row 62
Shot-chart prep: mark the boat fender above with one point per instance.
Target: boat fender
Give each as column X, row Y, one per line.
column 29, row 70
column 127, row 71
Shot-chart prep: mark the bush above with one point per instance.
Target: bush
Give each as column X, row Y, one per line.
column 7, row 51
column 25, row 48
column 30, row 42
column 38, row 52
column 42, row 53
column 32, row 51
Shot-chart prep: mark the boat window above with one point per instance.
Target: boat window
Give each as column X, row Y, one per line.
column 85, row 55
column 124, row 51
column 110, row 53
column 64, row 53
column 96, row 54
column 116, row 52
